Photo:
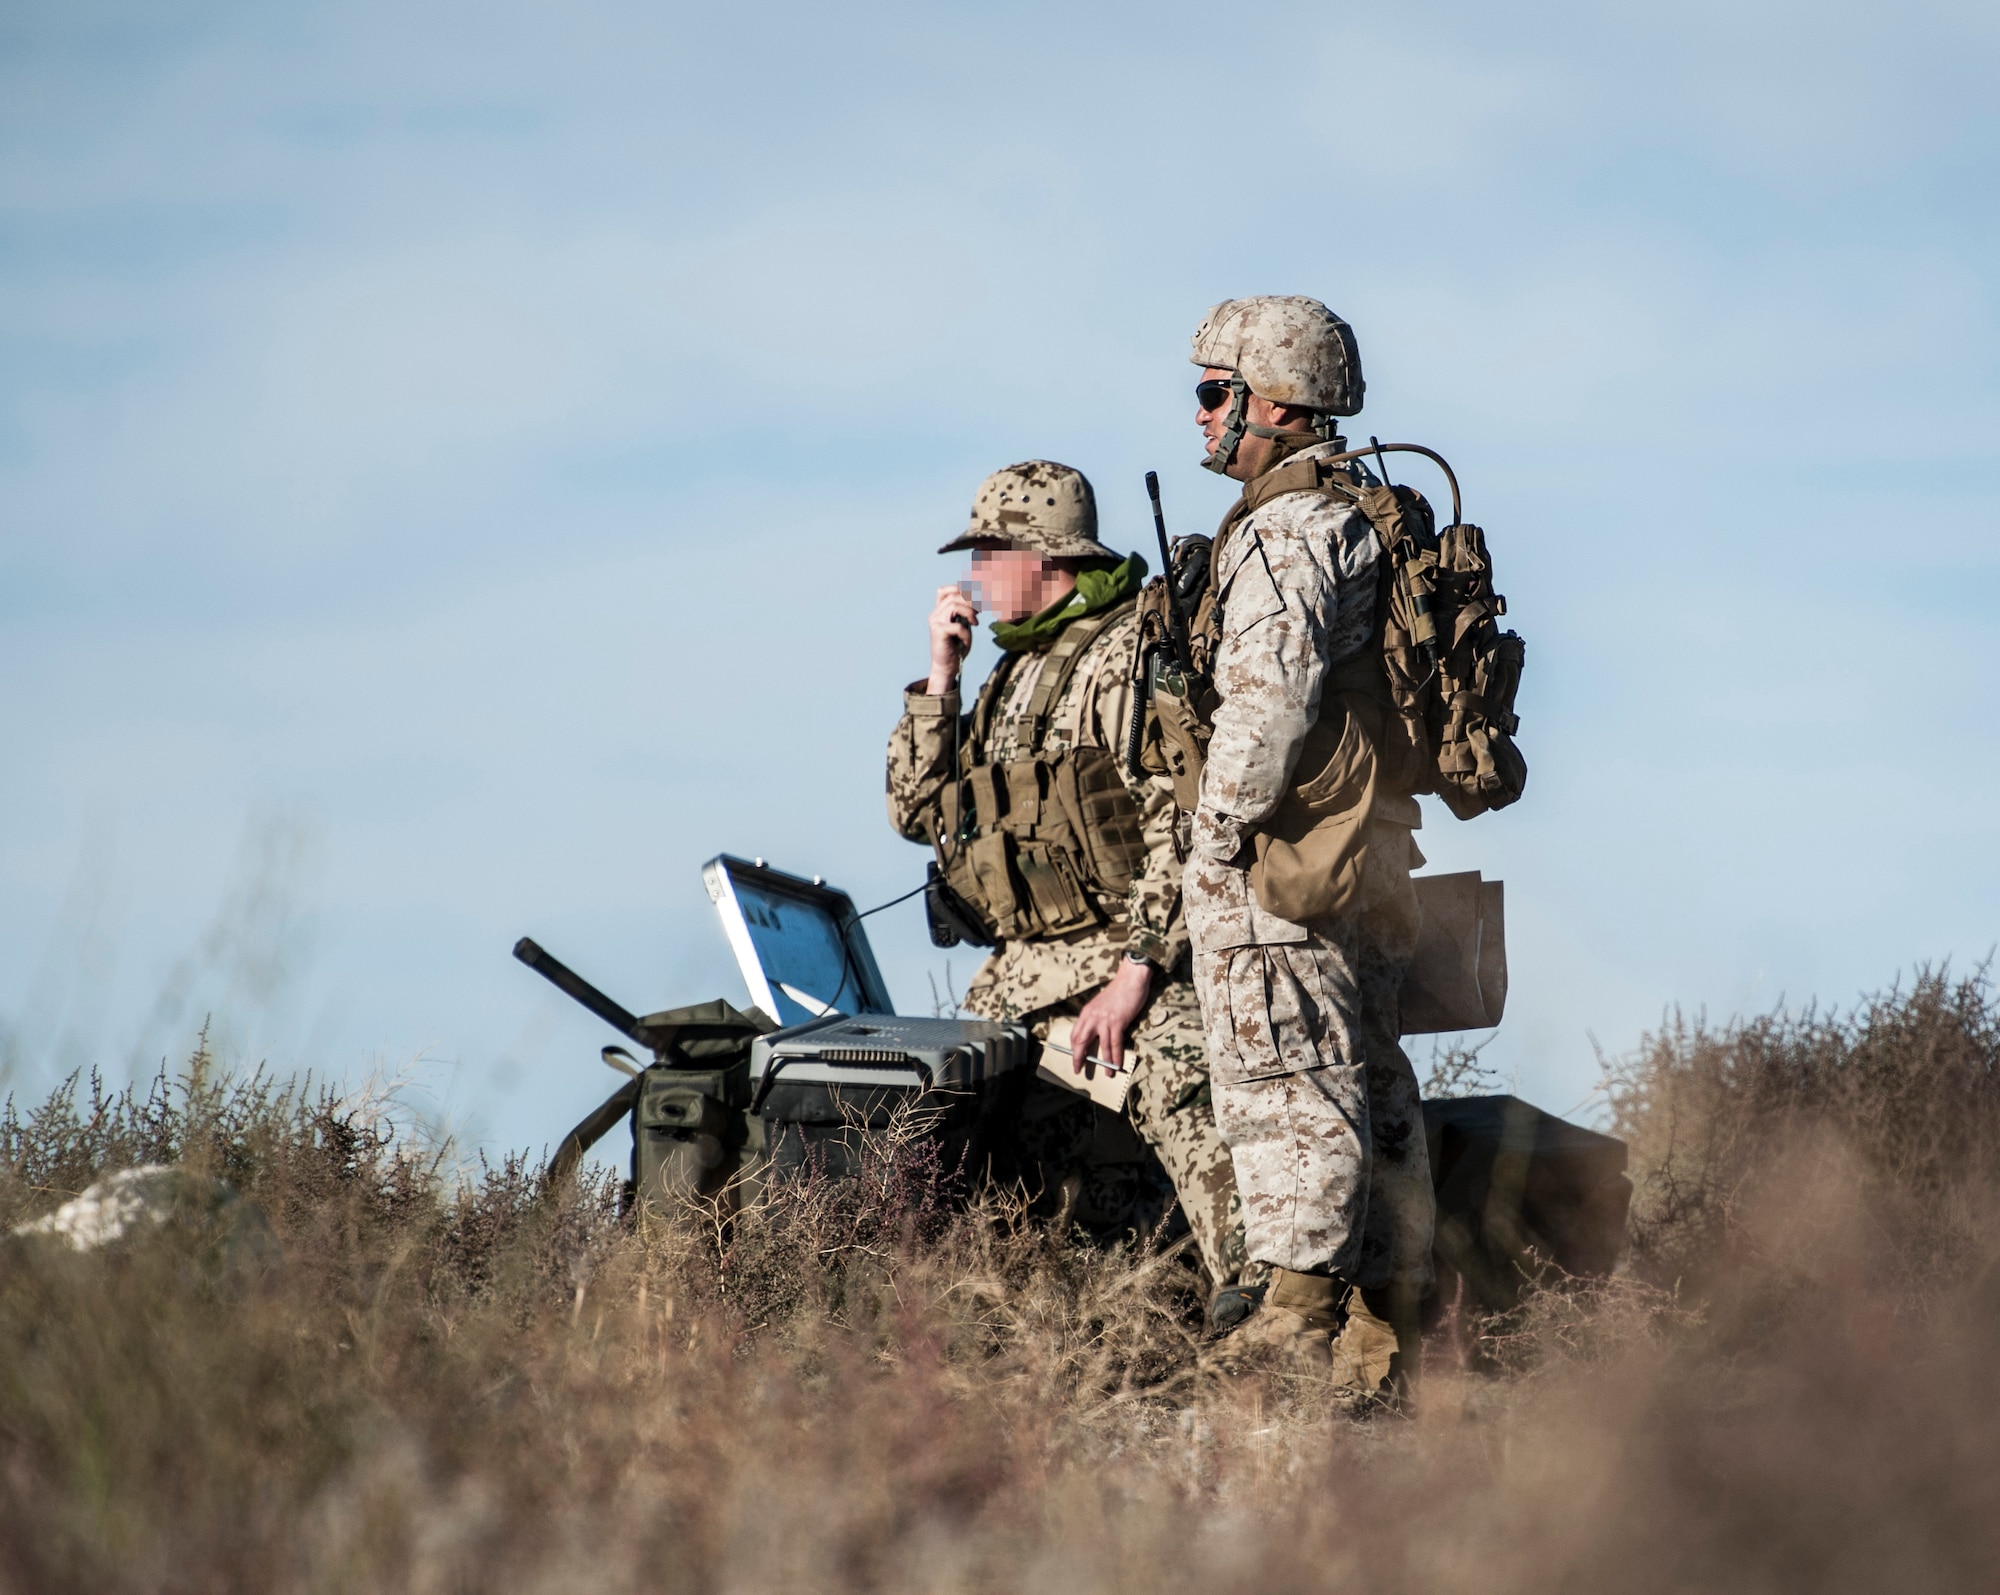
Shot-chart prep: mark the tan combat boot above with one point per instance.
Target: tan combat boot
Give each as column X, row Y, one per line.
column 1300, row 1316
column 1376, row 1354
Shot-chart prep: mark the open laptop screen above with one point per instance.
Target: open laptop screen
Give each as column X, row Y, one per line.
column 801, row 948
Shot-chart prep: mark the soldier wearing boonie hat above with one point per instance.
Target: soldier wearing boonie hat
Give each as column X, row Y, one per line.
column 1049, row 851
column 1036, row 505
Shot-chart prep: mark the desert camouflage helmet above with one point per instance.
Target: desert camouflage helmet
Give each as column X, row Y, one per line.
column 1288, row 348
column 1037, row 505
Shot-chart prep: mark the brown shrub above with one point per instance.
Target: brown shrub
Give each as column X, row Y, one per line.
column 453, row 1385
column 1907, row 1085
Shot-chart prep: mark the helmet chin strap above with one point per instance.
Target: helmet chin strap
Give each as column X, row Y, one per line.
column 1223, row 455
column 1325, row 425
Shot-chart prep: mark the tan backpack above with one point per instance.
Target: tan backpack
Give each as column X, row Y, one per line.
column 1451, row 673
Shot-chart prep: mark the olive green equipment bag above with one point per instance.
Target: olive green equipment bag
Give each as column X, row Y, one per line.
column 1428, row 707
column 692, row 1133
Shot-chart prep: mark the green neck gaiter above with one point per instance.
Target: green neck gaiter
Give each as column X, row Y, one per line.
column 1098, row 586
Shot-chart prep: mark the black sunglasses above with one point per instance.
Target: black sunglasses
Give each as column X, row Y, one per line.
column 1212, row 394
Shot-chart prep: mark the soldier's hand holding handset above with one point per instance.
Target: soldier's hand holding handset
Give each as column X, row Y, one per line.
column 951, row 637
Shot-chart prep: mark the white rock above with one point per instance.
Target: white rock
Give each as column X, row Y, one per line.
column 120, row 1206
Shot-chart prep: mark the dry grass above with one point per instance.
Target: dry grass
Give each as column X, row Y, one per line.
column 1904, row 1091
column 448, row 1386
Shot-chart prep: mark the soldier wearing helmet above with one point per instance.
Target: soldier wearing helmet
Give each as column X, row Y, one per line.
column 1313, row 1093
column 1052, row 853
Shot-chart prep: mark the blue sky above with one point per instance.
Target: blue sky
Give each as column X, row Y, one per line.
column 462, row 466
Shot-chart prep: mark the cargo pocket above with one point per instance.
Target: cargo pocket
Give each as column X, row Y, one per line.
column 1291, row 1008
column 1334, row 766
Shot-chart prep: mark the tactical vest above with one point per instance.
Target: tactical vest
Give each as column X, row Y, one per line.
column 1426, row 706
column 1030, row 844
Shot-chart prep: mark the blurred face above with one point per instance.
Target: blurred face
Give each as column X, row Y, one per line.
column 1014, row 583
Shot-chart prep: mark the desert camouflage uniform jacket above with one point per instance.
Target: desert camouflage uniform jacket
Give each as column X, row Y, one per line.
column 1297, row 583
column 1025, row 976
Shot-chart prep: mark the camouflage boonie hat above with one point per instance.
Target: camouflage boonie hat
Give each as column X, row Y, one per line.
column 1288, row 348
column 1036, row 505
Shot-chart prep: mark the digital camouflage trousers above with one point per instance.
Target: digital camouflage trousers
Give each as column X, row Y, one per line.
column 1319, row 1106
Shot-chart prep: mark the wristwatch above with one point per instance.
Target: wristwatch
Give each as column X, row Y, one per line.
column 1140, row 958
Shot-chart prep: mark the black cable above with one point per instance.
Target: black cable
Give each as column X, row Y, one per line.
column 912, row 892
column 847, row 968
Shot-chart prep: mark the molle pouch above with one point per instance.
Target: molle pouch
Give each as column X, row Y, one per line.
column 982, row 875
column 1479, row 767
column 689, row 1132
column 1183, row 705
column 1311, row 854
column 1054, row 890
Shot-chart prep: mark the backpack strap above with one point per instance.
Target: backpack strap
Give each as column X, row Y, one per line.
column 1064, row 656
